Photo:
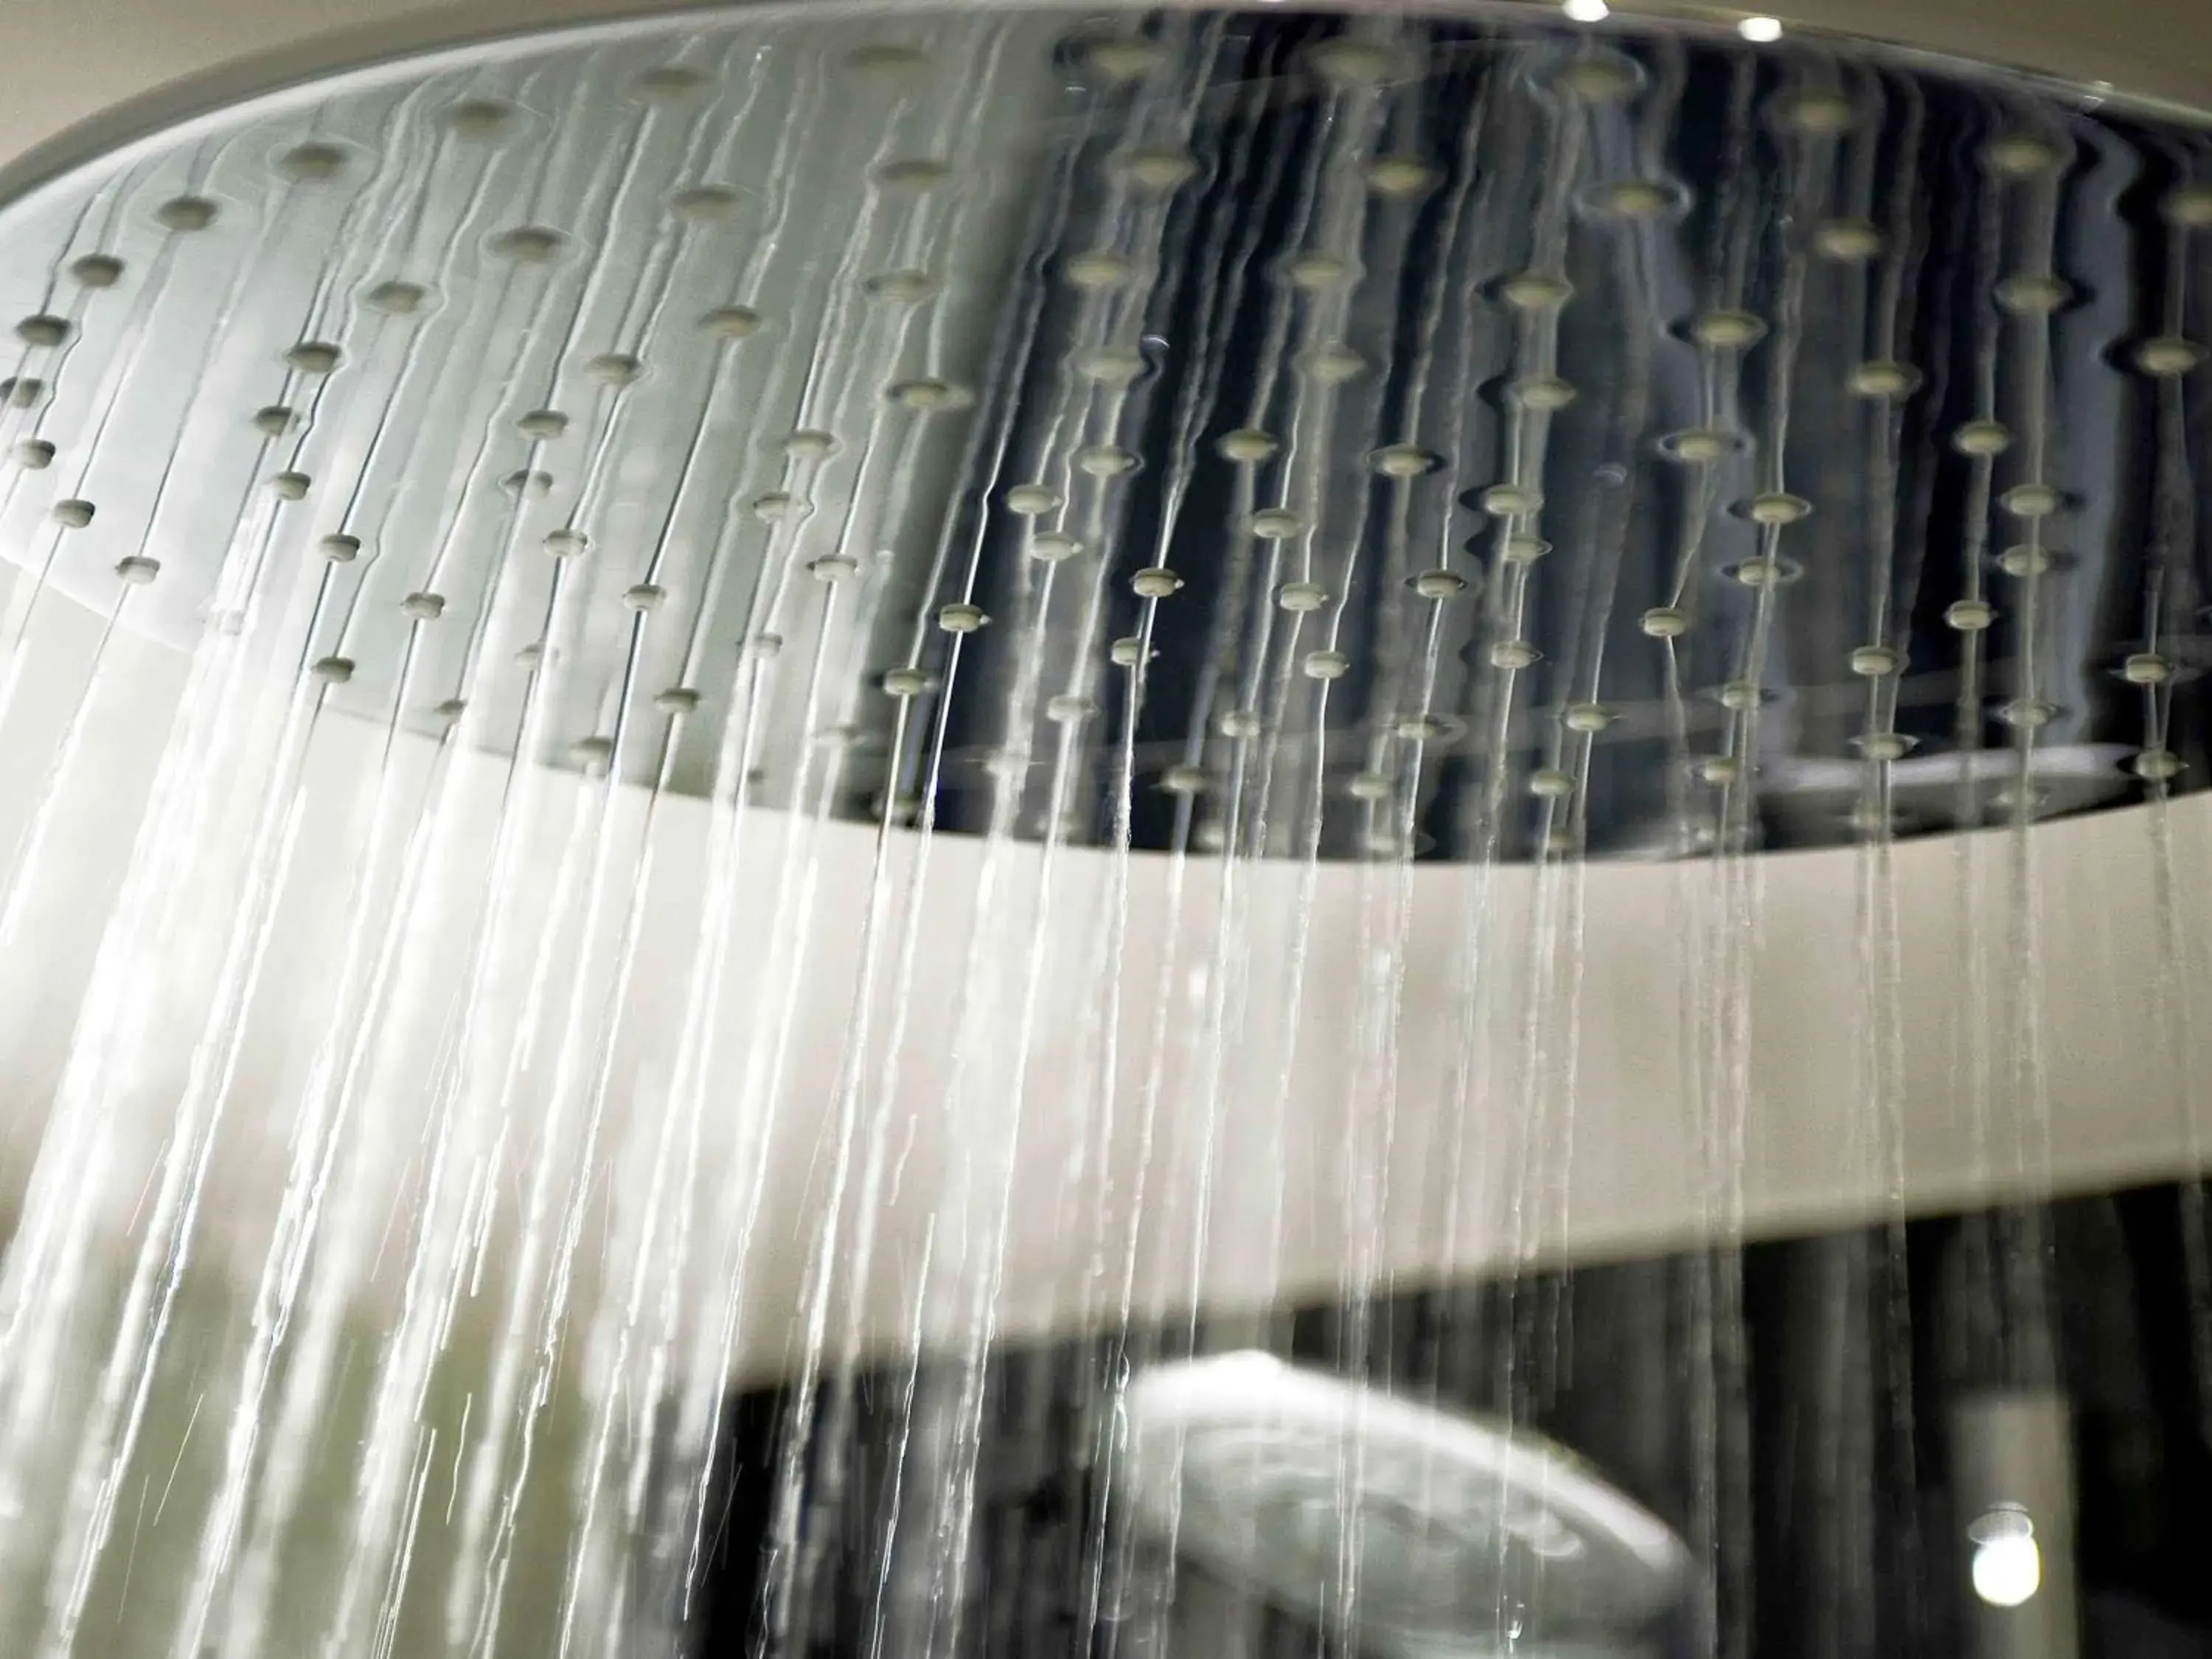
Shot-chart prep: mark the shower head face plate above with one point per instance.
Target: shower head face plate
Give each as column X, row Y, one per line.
column 528, row 363
column 1453, row 436
column 1459, row 1537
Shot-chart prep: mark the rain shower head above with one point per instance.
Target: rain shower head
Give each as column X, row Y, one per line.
column 713, row 696
column 1480, row 434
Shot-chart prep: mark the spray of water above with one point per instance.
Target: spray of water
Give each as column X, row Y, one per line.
column 782, row 703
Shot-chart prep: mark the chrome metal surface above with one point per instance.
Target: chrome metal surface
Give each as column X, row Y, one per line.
column 1915, row 249
column 1459, row 1537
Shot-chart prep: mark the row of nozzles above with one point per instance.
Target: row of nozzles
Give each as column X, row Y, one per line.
column 1531, row 441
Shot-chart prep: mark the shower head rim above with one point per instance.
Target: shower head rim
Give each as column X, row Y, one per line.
column 464, row 32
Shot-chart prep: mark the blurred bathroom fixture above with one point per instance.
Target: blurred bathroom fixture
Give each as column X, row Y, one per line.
column 1408, row 1530
column 2015, row 1481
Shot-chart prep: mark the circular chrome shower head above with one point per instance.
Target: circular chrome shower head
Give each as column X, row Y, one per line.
column 1513, row 437
column 1466, row 436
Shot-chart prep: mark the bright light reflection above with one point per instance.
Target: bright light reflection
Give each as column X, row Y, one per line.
column 1586, row 11
column 1761, row 29
column 2007, row 1567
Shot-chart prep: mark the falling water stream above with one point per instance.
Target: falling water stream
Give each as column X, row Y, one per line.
column 948, row 833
